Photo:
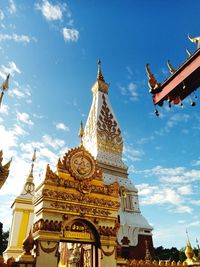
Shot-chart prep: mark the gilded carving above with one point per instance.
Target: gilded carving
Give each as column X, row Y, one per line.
column 82, row 210
column 81, row 165
column 82, row 186
column 47, row 225
column 90, row 125
column 108, row 231
column 80, row 198
column 108, row 133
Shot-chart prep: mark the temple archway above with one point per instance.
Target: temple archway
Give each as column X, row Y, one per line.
column 79, row 245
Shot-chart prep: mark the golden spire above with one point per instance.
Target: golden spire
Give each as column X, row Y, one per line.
column 99, row 73
column 4, row 170
column 195, row 40
column 81, row 132
column 153, row 84
column 4, row 87
column 100, row 85
column 29, row 185
column 171, row 69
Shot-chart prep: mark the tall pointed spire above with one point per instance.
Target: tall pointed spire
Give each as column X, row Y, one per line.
column 99, row 73
column 102, row 134
column 29, row 186
column 100, row 84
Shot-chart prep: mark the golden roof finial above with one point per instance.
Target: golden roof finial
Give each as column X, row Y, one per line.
column 153, row 84
column 195, row 40
column 188, row 52
column 171, row 69
column 81, row 132
column 99, row 73
column 4, row 87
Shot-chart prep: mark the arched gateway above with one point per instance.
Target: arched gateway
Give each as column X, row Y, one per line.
column 76, row 214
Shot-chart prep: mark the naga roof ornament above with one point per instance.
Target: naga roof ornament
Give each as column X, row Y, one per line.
column 4, row 169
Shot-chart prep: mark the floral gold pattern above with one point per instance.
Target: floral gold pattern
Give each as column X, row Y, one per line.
column 108, row 133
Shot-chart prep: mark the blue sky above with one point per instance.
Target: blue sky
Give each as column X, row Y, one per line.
column 51, row 49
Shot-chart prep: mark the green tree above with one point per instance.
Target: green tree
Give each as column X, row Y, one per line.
column 3, row 239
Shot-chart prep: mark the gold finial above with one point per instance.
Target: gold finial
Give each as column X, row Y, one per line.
column 81, row 132
column 32, row 165
column 99, row 73
column 153, row 84
column 29, row 186
column 4, row 87
column 195, row 40
column 189, row 53
column 171, row 69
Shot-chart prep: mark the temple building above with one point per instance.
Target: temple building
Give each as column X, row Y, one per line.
column 86, row 213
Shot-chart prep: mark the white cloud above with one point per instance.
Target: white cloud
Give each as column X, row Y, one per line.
column 70, row 35
column 131, row 91
column 1, row 15
column 132, row 154
column 12, row 7
column 196, row 202
column 185, row 190
column 24, row 118
column 24, row 92
column 62, row 126
column 132, row 88
column 16, row 38
column 54, row 143
column 10, row 68
column 196, row 162
column 49, row 11
column 164, row 195
column 9, row 138
column 4, row 109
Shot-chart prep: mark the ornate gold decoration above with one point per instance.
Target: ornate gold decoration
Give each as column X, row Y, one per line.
column 81, row 165
column 154, row 86
column 80, row 198
column 109, row 231
column 109, row 137
column 82, row 210
column 53, row 179
column 108, row 253
column 4, row 170
column 47, row 225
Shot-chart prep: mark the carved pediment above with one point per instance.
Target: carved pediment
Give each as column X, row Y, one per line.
column 81, row 164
